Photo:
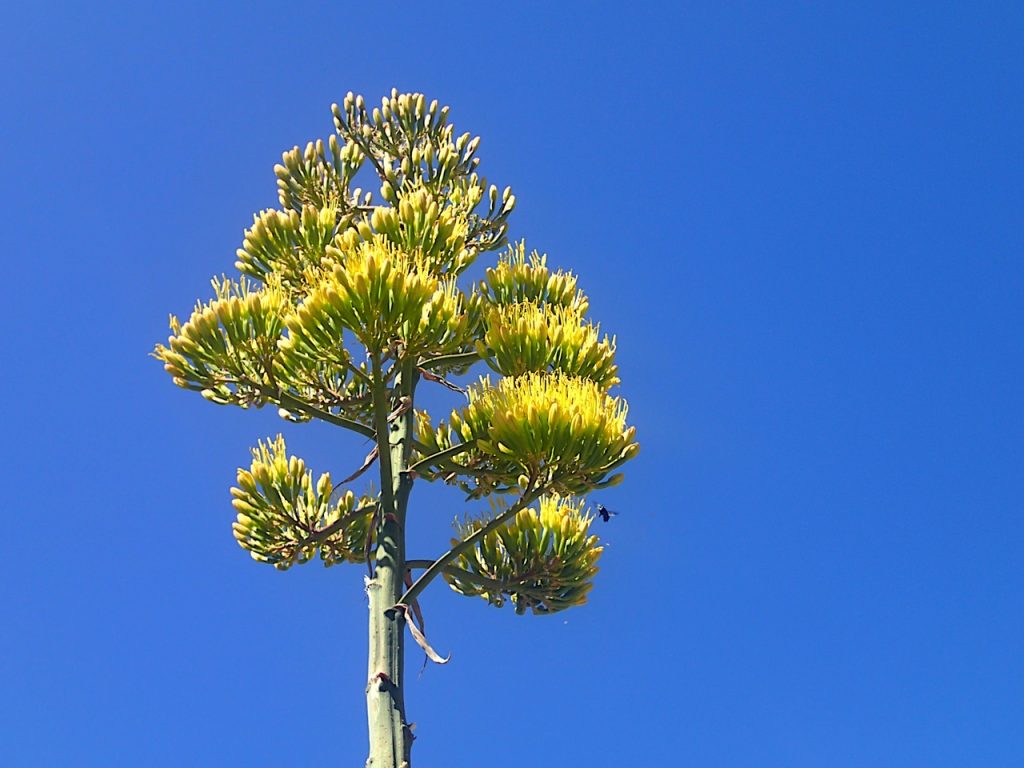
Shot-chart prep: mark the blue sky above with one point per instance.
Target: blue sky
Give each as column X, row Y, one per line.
column 801, row 220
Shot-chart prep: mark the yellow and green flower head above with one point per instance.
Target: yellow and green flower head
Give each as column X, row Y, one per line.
column 319, row 175
column 287, row 244
column 517, row 278
column 226, row 348
column 543, row 559
column 381, row 295
column 565, row 433
column 279, row 508
column 424, row 225
column 524, row 337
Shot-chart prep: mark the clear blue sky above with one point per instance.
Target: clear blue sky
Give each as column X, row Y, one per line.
column 802, row 221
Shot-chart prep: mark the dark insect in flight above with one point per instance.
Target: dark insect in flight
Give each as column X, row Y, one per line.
column 604, row 513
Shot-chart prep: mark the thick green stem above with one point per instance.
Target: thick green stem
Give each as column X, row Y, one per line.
column 390, row 737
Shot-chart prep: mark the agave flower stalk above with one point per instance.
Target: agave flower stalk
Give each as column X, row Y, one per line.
column 345, row 303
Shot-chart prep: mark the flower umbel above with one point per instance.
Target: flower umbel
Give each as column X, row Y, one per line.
column 226, row 349
column 520, row 278
column 557, row 432
column 382, row 296
column 524, row 337
column 543, row 559
column 283, row 518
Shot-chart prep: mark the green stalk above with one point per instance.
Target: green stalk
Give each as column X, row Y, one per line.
column 390, row 738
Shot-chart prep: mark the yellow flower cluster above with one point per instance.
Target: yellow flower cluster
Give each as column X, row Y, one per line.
column 319, row 175
column 561, row 433
column 543, row 560
column 421, row 224
column 280, row 512
column 415, row 147
column 524, row 337
column 383, row 296
column 226, row 348
column 518, row 278
column 288, row 244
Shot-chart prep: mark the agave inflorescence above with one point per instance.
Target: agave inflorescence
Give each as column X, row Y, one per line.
column 345, row 302
column 227, row 347
column 283, row 517
column 562, row 433
column 543, row 559
column 526, row 337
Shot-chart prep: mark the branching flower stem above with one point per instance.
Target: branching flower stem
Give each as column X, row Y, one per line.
column 520, row 585
column 337, row 525
column 441, row 457
column 462, row 358
column 359, row 374
column 287, row 401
